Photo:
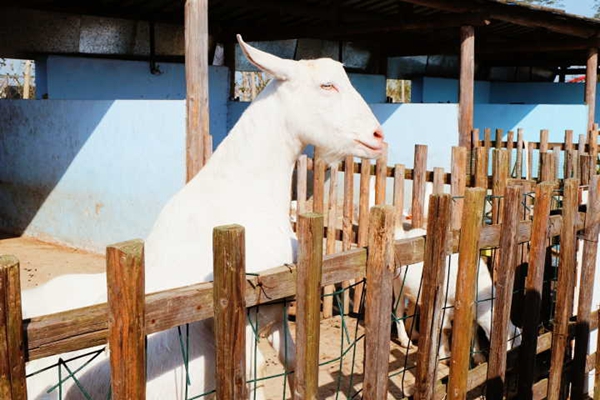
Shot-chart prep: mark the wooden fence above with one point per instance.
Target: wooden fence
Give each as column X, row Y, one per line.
column 368, row 251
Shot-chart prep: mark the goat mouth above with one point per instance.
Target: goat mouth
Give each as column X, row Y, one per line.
column 373, row 148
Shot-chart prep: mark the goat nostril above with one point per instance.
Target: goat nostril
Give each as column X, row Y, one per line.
column 378, row 134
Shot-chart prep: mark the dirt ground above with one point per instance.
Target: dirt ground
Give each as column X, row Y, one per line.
column 40, row 261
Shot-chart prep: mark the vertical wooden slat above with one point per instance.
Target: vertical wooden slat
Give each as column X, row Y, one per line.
column 308, row 299
column 475, row 142
column 466, row 85
column 565, row 287
column 510, row 138
column 585, row 166
column 593, row 150
column 544, row 133
column 466, row 283
column 584, row 304
column 363, row 221
column 229, row 270
column 581, row 144
column 529, row 172
column 499, row 182
column 458, row 183
column 591, row 81
column 555, row 161
column 12, row 345
column 519, row 162
column 504, row 275
column 380, row 273
column 568, row 139
column 348, row 220
column 419, row 182
column 399, row 193
column 438, row 180
column 533, row 288
column 126, row 319
column 568, row 164
column 597, row 377
column 331, row 228
column 301, row 183
column 380, row 177
column 487, row 138
column 434, row 271
column 481, row 167
column 319, row 168
column 196, row 77
column 499, row 135
column 547, row 167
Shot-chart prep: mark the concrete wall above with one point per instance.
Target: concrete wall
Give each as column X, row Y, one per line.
column 89, row 173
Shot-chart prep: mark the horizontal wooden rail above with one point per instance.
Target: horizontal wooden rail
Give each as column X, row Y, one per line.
column 534, row 145
column 86, row 327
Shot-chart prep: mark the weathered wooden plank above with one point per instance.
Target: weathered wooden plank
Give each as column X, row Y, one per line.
column 544, row 147
column 12, row 345
column 565, row 288
column 499, row 134
column 481, row 167
column 301, row 184
column 438, row 180
column 466, row 85
column 591, row 81
column 348, row 222
column 434, row 271
column 504, row 274
column 510, row 142
column 196, row 77
column 458, row 184
column 519, row 162
column 310, row 263
column 584, row 304
column 418, row 193
column 380, row 177
column 126, row 324
column 363, row 224
column 399, row 193
column 533, row 288
column 499, row 180
column 330, row 245
column 378, row 308
column 319, row 183
column 466, row 283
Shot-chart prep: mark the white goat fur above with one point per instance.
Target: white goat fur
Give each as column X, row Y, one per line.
column 408, row 281
column 247, row 181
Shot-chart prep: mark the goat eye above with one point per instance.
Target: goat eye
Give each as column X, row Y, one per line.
column 327, row 86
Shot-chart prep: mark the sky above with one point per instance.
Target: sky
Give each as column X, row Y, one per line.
column 580, row 7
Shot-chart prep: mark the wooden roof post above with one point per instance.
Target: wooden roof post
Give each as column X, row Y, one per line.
column 591, row 80
column 466, row 85
column 196, row 77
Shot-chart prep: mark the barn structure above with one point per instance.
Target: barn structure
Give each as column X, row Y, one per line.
column 133, row 96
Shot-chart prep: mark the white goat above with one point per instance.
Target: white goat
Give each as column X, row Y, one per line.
column 247, row 181
column 407, row 285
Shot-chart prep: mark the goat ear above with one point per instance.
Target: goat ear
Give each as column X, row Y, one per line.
column 278, row 67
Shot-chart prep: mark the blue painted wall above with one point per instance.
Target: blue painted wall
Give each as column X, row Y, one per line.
column 89, row 173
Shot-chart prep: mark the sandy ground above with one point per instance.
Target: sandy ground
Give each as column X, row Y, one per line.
column 41, row 261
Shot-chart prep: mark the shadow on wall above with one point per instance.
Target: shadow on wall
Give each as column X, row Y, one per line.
column 88, row 173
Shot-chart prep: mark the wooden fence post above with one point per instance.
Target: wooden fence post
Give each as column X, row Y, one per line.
column 438, row 180
column 381, row 177
column 565, row 287
column 419, row 182
column 481, row 167
column 510, row 143
column 519, row 161
column 126, row 319
column 504, row 276
column 308, row 290
column 458, row 183
column 499, row 182
column 585, row 166
column 331, row 236
column 348, row 221
column 584, row 306
column 378, row 308
column 546, row 167
column 487, row 138
column 533, row 288
column 319, row 168
column 12, row 346
column 301, row 184
column 229, row 290
column 499, row 134
column 434, row 271
column 466, row 284
column 544, row 140
column 399, row 171
column 363, row 222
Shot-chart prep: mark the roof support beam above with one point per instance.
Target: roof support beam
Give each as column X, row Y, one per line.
column 196, row 78
column 520, row 15
column 591, row 81
column 466, row 85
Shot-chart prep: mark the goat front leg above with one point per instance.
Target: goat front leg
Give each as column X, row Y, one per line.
column 399, row 313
